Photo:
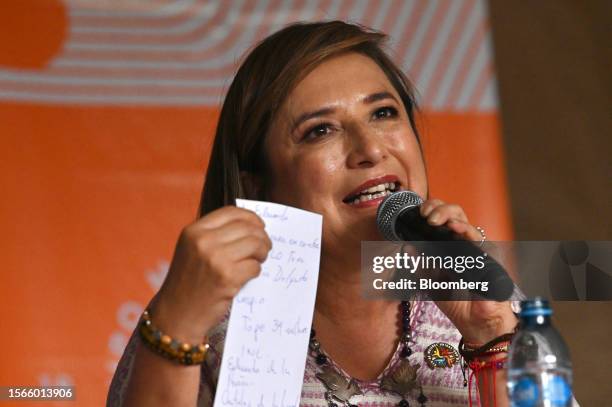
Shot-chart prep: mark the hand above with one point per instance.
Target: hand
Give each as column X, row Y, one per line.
column 214, row 258
column 478, row 321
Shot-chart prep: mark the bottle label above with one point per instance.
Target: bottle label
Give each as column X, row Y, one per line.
column 526, row 393
column 555, row 392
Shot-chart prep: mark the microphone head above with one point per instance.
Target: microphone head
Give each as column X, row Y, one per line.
column 390, row 208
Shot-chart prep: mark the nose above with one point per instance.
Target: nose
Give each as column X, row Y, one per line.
column 366, row 147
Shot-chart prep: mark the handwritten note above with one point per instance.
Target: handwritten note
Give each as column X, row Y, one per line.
column 269, row 325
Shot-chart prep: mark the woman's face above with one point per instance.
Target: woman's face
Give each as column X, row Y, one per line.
column 339, row 144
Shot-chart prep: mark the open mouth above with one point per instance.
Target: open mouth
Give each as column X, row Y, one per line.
column 372, row 193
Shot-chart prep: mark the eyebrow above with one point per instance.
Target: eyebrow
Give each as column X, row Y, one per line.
column 375, row 97
column 372, row 98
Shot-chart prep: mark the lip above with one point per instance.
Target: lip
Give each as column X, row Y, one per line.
column 370, row 183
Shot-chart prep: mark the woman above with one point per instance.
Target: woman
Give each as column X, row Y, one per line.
column 315, row 113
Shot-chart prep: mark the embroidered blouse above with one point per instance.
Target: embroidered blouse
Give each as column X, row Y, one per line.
column 443, row 386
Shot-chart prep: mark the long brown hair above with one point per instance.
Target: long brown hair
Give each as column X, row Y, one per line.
column 263, row 81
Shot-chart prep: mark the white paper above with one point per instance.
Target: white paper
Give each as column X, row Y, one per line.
column 269, row 326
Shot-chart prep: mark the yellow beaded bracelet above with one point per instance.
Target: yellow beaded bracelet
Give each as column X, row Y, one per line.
column 168, row 347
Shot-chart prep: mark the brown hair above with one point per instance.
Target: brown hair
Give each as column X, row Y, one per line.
column 263, row 81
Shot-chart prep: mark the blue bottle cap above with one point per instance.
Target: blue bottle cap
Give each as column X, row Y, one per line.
column 535, row 307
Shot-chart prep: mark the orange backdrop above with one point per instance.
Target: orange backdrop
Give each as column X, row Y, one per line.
column 106, row 117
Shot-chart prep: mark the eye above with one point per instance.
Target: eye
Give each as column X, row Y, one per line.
column 316, row 132
column 385, row 112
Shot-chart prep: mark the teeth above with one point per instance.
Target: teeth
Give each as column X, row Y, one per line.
column 376, row 188
column 369, row 197
column 375, row 192
column 379, row 188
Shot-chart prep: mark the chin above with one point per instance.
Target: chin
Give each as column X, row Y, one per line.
column 366, row 230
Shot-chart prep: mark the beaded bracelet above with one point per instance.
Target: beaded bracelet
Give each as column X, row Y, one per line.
column 477, row 365
column 164, row 345
column 497, row 348
column 496, row 345
column 476, row 359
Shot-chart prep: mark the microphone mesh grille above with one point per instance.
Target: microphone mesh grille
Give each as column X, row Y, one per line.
column 390, row 208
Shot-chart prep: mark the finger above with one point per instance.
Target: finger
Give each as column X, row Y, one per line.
column 248, row 247
column 443, row 213
column 429, row 205
column 226, row 214
column 465, row 230
column 240, row 274
column 249, row 268
column 237, row 229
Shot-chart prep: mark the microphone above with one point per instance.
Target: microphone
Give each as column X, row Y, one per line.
column 398, row 219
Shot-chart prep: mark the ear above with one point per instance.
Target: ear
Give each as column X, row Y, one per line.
column 252, row 184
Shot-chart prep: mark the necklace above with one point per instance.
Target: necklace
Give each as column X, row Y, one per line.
column 401, row 380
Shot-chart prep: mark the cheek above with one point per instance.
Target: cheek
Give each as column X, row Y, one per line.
column 307, row 179
column 316, row 173
column 405, row 147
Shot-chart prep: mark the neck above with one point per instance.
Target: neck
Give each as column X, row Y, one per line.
column 339, row 295
column 348, row 325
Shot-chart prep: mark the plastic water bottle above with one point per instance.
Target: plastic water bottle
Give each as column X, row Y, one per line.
column 539, row 365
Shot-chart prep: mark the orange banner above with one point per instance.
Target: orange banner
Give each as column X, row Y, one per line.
column 106, row 122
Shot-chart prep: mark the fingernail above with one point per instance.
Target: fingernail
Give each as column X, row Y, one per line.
column 434, row 218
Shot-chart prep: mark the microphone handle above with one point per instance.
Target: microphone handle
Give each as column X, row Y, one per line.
column 411, row 226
